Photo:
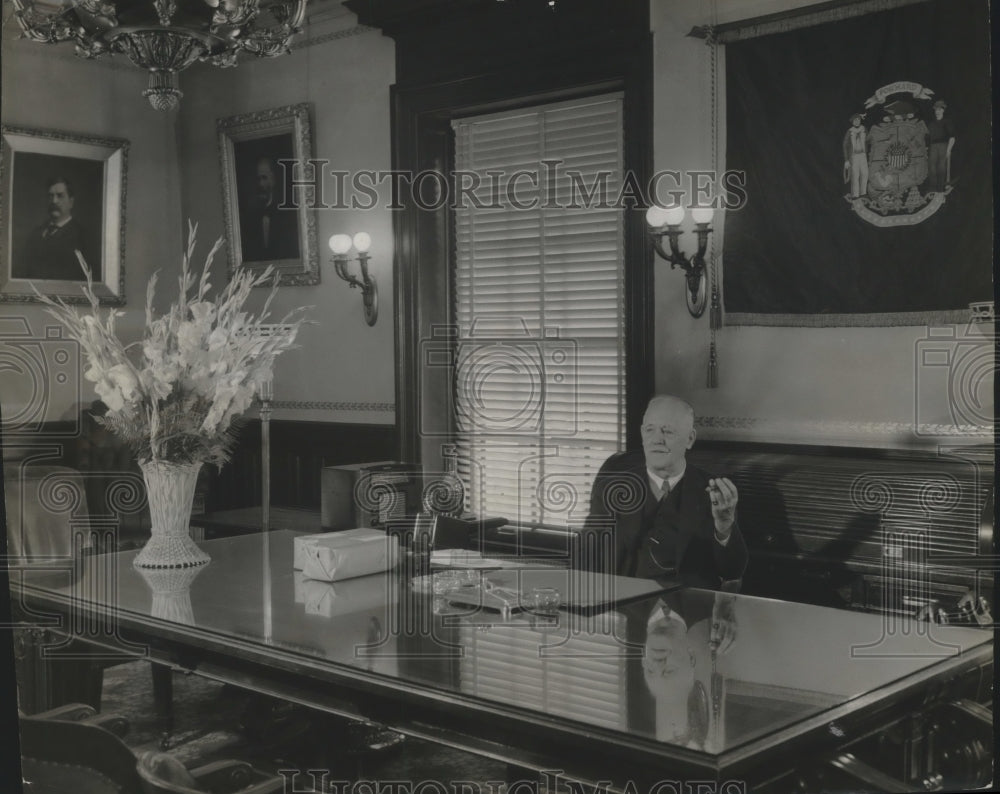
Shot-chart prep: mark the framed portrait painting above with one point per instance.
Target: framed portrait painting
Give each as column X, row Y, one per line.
column 62, row 209
column 268, row 221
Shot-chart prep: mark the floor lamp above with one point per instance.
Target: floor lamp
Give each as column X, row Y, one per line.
column 266, row 396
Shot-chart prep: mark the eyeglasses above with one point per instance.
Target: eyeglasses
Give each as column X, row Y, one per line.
column 658, row 555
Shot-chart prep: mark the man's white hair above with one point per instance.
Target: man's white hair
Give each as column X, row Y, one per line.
column 677, row 402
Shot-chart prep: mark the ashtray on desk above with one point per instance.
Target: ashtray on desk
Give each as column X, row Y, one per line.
column 469, row 587
column 441, row 582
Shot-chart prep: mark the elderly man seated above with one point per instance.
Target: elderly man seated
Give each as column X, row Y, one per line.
column 669, row 519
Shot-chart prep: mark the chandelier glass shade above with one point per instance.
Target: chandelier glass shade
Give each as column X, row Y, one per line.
column 165, row 36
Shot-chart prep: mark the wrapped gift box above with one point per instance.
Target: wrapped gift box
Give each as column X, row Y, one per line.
column 333, row 556
column 302, row 541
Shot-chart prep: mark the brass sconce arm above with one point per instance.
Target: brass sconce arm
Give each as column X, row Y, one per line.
column 340, row 244
column 667, row 223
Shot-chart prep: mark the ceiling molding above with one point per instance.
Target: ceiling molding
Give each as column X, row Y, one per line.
column 803, row 17
column 324, row 38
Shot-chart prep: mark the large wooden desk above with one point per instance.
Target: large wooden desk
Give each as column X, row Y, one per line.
column 799, row 686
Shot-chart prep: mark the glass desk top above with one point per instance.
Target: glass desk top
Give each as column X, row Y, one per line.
column 689, row 668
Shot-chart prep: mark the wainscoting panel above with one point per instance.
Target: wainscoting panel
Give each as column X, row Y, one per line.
column 884, row 530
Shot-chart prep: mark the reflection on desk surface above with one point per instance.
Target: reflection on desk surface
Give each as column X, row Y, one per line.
column 694, row 668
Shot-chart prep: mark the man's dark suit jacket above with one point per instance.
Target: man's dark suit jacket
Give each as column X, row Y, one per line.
column 53, row 256
column 620, row 492
column 282, row 238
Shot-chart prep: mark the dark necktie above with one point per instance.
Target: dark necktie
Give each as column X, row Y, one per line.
column 662, row 492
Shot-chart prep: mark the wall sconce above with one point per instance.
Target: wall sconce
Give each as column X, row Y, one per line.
column 340, row 244
column 667, row 223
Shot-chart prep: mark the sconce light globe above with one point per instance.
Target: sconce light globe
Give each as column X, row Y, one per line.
column 362, row 242
column 702, row 214
column 656, row 216
column 340, row 244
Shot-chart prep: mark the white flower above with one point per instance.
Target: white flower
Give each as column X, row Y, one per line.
column 202, row 311
column 124, row 380
column 220, row 406
column 110, row 394
column 189, row 337
column 218, row 339
column 160, row 377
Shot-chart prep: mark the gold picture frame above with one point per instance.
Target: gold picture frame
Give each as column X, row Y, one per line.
column 268, row 221
column 61, row 193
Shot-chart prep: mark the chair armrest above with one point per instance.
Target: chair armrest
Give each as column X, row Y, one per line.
column 273, row 785
column 81, row 712
column 70, row 712
column 981, row 715
column 112, row 723
column 221, row 777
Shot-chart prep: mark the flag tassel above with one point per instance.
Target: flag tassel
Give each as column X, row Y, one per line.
column 715, row 313
column 713, row 367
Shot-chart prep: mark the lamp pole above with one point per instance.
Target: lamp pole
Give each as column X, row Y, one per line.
column 266, row 393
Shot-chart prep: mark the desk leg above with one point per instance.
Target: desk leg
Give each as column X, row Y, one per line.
column 915, row 750
column 44, row 683
column 32, row 674
column 163, row 700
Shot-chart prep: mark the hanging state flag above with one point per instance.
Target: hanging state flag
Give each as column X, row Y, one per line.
column 866, row 148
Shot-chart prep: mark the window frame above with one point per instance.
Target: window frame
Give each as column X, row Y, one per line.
column 424, row 247
column 552, row 129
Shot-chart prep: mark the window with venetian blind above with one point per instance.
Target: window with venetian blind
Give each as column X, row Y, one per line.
column 539, row 291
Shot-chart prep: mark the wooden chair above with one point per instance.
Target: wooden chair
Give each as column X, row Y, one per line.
column 74, row 749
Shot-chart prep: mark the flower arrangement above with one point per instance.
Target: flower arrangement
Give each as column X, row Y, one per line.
column 173, row 399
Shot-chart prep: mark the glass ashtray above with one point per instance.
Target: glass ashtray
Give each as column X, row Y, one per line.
column 442, row 583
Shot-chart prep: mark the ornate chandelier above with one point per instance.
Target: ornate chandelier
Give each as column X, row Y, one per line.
column 165, row 36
